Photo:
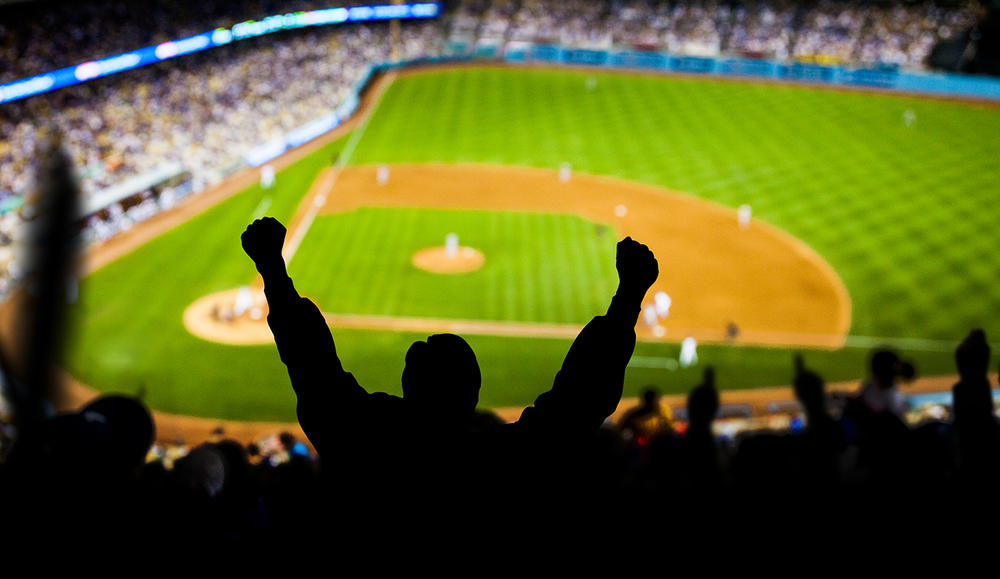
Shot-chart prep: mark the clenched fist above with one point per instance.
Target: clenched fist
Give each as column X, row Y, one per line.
column 262, row 241
column 637, row 268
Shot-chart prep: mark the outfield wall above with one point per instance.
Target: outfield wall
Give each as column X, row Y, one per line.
column 884, row 77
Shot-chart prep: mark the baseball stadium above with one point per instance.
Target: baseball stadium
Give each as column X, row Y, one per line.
column 816, row 180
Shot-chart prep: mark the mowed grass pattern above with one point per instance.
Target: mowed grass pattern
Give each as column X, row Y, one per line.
column 903, row 213
column 539, row 267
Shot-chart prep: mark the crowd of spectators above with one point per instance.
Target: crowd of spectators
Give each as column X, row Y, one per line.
column 847, row 31
column 201, row 113
column 762, row 29
column 43, row 35
column 855, row 458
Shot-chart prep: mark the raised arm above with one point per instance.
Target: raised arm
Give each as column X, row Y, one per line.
column 589, row 386
column 304, row 341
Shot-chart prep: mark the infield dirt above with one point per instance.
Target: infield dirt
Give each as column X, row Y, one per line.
column 437, row 260
column 771, row 285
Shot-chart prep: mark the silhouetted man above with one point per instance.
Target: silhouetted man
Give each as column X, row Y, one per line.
column 822, row 442
column 430, row 443
column 975, row 423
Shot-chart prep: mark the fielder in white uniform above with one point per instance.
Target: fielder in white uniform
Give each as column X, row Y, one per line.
column 689, row 352
column 743, row 215
column 266, row 177
column 663, row 302
column 244, row 301
column 649, row 315
column 565, row 172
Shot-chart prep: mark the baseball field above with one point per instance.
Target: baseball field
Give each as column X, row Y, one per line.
column 872, row 224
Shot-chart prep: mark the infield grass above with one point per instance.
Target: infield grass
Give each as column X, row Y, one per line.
column 904, row 213
column 540, row 267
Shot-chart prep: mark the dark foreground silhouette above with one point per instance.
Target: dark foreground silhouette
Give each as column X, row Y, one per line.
column 429, row 470
column 432, row 443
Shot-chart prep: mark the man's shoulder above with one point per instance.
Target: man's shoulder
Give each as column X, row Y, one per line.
column 385, row 401
column 362, row 405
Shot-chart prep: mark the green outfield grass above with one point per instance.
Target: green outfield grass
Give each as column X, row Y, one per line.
column 903, row 213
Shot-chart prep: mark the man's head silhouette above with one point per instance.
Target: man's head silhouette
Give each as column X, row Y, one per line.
column 442, row 376
column 887, row 366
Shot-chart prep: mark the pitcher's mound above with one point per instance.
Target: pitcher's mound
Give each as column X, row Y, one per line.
column 437, row 260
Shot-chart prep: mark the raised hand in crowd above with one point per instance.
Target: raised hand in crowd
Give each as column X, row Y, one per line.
column 637, row 267
column 262, row 241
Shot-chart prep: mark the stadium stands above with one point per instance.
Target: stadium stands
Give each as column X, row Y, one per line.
column 98, row 29
column 826, row 31
column 202, row 113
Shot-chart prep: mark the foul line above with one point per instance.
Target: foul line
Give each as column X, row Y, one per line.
column 292, row 246
column 261, row 209
column 569, row 331
column 923, row 344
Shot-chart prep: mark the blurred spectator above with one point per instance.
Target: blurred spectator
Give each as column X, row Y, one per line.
column 647, row 420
